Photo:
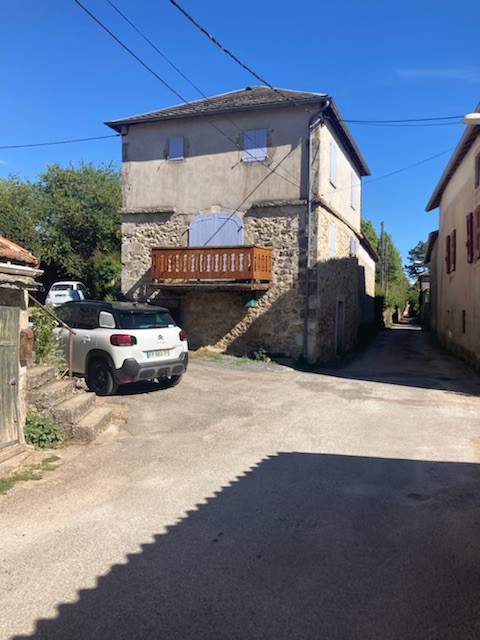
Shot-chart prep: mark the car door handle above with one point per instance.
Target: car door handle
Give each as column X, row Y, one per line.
column 86, row 339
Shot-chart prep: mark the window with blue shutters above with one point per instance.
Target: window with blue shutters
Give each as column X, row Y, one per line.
column 333, row 163
column 176, row 148
column 332, row 238
column 254, row 145
column 216, row 229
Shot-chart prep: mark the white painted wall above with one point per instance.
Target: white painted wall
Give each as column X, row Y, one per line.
column 339, row 195
column 459, row 290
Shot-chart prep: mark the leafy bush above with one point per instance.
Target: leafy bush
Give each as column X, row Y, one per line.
column 47, row 349
column 260, row 354
column 41, row 431
column 105, row 275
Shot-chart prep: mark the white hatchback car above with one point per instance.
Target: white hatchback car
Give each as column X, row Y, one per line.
column 121, row 342
column 65, row 291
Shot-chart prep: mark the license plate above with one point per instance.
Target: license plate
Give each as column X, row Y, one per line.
column 161, row 353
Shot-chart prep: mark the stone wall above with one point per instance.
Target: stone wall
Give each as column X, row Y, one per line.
column 219, row 319
column 335, row 281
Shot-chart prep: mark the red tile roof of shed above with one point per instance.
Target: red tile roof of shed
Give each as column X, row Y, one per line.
column 11, row 252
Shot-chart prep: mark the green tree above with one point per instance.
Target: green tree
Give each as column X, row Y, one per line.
column 416, row 260
column 18, row 213
column 395, row 287
column 78, row 216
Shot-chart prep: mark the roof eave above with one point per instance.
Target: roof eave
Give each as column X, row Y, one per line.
column 460, row 151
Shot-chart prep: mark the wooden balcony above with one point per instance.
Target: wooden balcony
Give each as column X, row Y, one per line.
column 242, row 267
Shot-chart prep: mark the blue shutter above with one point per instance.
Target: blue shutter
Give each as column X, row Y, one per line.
column 216, row 229
column 332, row 237
column 255, row 145
column 176, row 148
column 333, row 163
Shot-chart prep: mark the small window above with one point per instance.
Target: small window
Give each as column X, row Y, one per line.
column 464, row 321
column 62, row 287
column 176, row 148
column 333, row 163
column 353, row 246
column 448, row 263
column 67, row 313
column 254, row 145
column 477, row 171
column 106, row 320
column 353, row 191
column 87, row 318
column 332, row 238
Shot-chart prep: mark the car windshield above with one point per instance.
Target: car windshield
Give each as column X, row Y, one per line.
column 146, row 320
column 62, row 287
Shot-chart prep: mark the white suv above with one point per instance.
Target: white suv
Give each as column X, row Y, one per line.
column 65, row 291
column 120, row 342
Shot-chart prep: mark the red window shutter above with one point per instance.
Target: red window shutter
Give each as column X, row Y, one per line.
column 447, row 253
column 470, row 237
column 478, row 234
column 453, row 250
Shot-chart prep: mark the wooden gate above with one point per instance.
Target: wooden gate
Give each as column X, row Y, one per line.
column 9, row 363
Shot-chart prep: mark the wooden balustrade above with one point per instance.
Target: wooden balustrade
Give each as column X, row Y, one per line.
column 212, row 263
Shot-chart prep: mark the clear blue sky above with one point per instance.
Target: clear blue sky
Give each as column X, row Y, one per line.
column 62, row 77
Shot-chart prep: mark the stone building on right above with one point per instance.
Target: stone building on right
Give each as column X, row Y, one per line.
column 453, row 252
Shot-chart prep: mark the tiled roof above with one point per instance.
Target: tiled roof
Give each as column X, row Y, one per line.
column 11, row 252
column 242, row 100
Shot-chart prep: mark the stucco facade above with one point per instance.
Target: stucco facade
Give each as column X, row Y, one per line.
column 161, row 197
column 455, row 282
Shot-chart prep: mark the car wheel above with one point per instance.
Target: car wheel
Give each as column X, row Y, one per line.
column 100, row 379
column 166, row 383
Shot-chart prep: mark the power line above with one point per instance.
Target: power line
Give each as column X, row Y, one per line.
column 236, row 59
column 46, row 144
column 392, row 173
column 192, row 84
column 392, row 124
column 166, row 84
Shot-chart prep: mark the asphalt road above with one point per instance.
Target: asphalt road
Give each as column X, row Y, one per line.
column 254, row 502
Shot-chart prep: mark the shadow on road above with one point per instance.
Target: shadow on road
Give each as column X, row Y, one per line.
column 407, row 356
column 302, row 546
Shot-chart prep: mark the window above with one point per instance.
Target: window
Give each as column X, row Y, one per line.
column 453, row 250
column 447, row 254
column 331, row 243
column 478, row 233
column 86, row 318
column 62, row 287
column 146, row 320
column 353, row 190
column 176, row 148
column 254, row 145
column 464, row 321
column 333, row 163
column 469, row 237
column 67, row 314
column 477, row 171
column 353, row 246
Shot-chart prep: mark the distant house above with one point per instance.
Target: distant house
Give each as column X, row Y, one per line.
column 453, row 252
column 18, row 270
column 241, row 213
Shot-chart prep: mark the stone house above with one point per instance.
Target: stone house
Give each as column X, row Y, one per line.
column 18, row 270
column 249, row 205
column 453, row 252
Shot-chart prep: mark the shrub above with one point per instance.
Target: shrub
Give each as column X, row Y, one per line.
column 41, row 431
column 260, row 354
column 105, row 276
column 47, row 349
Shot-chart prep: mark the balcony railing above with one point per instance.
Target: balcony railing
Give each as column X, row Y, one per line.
column 243, row 263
